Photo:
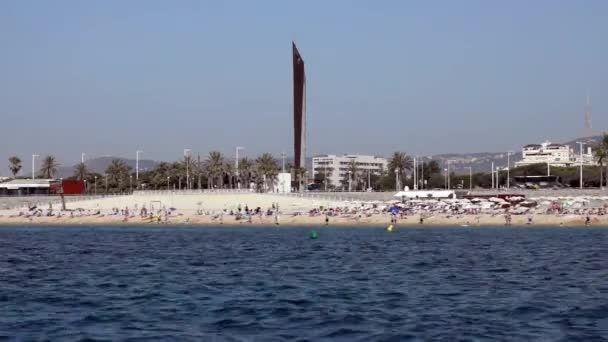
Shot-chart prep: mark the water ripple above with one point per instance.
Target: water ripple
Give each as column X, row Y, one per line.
column 274, row 284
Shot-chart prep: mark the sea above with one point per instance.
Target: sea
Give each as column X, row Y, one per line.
column 278, row 283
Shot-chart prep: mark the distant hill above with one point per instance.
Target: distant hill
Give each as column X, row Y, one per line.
column 482, row 162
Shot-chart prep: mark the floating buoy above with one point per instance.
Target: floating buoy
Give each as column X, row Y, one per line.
column 313, row 234
column 389, row 228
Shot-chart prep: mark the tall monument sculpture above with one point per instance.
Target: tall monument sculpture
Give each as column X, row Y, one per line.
column 299, row 113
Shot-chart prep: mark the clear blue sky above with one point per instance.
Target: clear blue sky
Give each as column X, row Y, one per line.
column 110, row 77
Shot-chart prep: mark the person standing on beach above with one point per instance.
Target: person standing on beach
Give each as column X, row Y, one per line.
column 327, row 220
column 276, row 219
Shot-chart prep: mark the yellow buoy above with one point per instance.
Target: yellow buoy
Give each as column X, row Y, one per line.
column 389, row 228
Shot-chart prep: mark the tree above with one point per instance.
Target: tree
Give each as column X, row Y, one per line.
column 401, row 162
column 351, row 176
column 14, row 165
column 81, row 171
column 246, row 168
column 228, row 173
column 323, row 176
column 49, row 166
column 118, row 174
column 214, row 167
column 601, row 153
column 268, row 168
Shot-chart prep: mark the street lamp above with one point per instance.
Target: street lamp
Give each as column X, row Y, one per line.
column 509, row 153
column 34, row 162
column 82, row 157
column 470, row 177
column 580, row 143
column 350, row 180
column 448, row 173
column 415, row 175
column 168, row 182
column 236, row 166
column 95, row 185
column 397, row 179
column 186, row 152
column 492, row 175
column 137, row 166
column 131, row 183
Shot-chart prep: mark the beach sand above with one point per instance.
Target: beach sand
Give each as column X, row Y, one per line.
column 294, row 211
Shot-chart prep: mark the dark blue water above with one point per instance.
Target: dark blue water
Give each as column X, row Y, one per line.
column 271, row 284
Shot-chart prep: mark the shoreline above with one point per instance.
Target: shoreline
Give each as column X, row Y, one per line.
column 286, row 220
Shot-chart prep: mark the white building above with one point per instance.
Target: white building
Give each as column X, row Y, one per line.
column 554, row 155
column 336, row 167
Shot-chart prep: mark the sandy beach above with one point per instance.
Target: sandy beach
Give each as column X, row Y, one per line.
column 223, row 208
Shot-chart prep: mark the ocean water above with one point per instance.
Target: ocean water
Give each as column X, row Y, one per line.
column 275, row 283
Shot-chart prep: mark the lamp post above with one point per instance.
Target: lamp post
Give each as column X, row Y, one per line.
column 397, row 179
column 168, row 183
column 509, row 153
column 236, row 166
column 350, row 179
column 33, row 167
column 82, row 157
column 448, row 174
column 470, row 177
column 137, row 166
column 445, row 180
column 106, row 183
column 492, row 175
column 131, row 183
column 95, row 185
column 580, row 143
column 415, row 175
column 186, row 152
column 422, row 174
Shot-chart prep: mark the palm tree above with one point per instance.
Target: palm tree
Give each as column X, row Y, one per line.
column 214, row 167
column 117, row 173
column 351, row 177
column 14, row 165
column 81, row 171
column 245, row 171
column 228, row 173
column 400, row 162
column 267, row 167
column 601, row 153
column 49, row 167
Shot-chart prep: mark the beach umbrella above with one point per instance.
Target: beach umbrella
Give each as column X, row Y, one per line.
column 173, row 209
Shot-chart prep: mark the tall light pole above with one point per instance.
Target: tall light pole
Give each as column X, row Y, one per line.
column 131, row 183
column 236, row 166
column 33, row 165
column 137, row 166
column 168, row 185
column 397, row 179
column 422, row 174
column 186, row 152
column 509, row 153
column 415, row 175
column 82, row 157
column 580, row 143
column 448, row 173
column 95, row 185
column 492, row 174
column 470, row 177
